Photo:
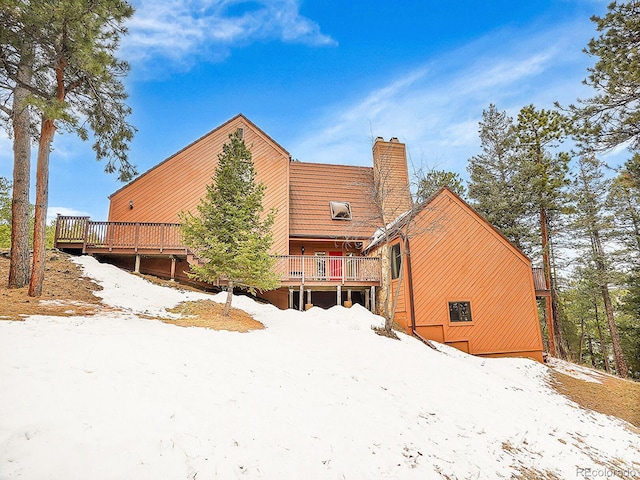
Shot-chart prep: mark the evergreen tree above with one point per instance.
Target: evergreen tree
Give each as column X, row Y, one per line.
column 583, row 302
column 545, row 176
column 16, row 74
column 612, row 116
column 228, row 235
column 495, row 184
column 62, row 53
column 591, row 222
column 433, row 180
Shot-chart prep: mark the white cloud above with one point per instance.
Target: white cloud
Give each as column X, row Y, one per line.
column 183, row 30
column 435, row 109
column 52, row 212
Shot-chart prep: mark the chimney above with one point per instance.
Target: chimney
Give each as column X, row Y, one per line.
column 391, row 178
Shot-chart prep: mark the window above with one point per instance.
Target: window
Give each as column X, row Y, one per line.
column 340, row 210
column 240, row 133
column 460, row 311
column 321, row 264
column 396, row 261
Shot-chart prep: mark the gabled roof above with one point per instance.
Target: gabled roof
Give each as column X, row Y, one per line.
column 253, row 126
column 312, row 186
column 394, row 228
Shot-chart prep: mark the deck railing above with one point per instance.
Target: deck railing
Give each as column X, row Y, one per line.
column 134, row 235
column 163, row 238
column 306, row 268
column 118, row 235
column 539, row 280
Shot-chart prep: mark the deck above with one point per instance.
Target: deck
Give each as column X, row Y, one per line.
column 165, row 240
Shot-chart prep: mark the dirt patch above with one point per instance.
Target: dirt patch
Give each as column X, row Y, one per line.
column 65, row 291
column 614, row 396
column 208, row 314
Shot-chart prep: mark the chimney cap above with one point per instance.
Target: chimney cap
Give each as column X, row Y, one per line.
column 394, row 140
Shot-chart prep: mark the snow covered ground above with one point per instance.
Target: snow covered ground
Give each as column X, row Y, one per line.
column 315, row 395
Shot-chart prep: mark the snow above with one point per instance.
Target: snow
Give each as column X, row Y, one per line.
column 577, row 371
column 315, row 395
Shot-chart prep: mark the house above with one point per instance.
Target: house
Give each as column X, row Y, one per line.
column 462, row 284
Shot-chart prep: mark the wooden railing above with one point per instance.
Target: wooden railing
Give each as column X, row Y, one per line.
column 111, row 236
column 166, row 238
column 134, row 235
column 71, row 229
column 306, row 268
column 539, row 281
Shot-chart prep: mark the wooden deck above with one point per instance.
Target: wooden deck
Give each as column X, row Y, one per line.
column 165, row 240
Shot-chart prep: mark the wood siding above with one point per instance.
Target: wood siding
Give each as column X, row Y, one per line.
column 462, row 258
column 178, row 183
column 313, row 186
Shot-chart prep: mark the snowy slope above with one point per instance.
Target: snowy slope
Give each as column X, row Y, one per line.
column 316, row 395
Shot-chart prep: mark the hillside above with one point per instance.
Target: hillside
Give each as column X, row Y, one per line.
column 115, row 394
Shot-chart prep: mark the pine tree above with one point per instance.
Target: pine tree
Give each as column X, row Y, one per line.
column 495, row 186
column 592, row 222
column 228, row 235
column 62, row 54
column 433, row 180
column 16, row 74
column 612, row 116
column 545, row 177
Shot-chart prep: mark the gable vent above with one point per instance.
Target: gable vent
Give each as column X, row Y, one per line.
column 340, row 210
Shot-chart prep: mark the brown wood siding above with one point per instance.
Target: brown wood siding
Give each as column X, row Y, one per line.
column 313, row 186
column 178, row 184
column 464, row 259
column 313, row 246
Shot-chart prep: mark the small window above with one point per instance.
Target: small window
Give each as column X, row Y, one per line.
column 460, row 311
column 396, row 261
column 240, row 132
column 340, row 210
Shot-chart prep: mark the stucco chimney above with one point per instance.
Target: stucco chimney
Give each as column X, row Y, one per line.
column 391, row 178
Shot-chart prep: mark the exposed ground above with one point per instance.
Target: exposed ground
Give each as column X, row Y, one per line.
column 613, row 396
column 68, row 293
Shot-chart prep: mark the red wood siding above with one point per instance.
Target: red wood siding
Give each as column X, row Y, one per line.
column 459, row 257
column 178, row 183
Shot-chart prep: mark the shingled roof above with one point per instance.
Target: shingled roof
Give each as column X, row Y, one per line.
column 312, row 186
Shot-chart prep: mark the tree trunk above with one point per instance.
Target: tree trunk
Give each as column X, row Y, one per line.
column 388, row 324
column 591, row 354
column 227, row 304
column 603, row 345
column 20, row 214
column 581, row 344
column 47, row 132
column 550, row 311
column 618, row 356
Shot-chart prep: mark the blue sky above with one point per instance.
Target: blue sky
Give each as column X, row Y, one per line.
column 324, row 77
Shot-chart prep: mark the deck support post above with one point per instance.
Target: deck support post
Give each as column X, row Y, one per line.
column 308, row 299
column 137, row 267
column 373, row 298
column 338, row 295
column 301, row 306
column 173, row 268
column 290, row 298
